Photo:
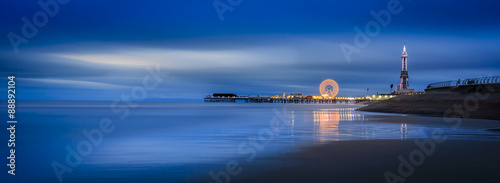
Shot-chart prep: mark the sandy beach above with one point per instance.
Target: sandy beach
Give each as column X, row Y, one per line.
column 458, row 105
column 367, row 161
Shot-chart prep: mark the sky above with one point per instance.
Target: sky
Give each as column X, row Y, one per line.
column 99, row 50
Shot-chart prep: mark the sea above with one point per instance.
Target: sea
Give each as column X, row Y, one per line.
column 106, row 141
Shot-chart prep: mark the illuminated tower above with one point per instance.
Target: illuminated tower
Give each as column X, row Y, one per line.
column 403, row 85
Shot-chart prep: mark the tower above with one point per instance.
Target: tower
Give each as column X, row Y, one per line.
column 403, row 87
column 403, row 84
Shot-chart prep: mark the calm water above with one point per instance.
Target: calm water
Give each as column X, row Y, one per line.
column 171, row 142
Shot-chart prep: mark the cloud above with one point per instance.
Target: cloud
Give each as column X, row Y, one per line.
column 74, row 83
column 108, row 59
column 265, row 64
column 186, row 59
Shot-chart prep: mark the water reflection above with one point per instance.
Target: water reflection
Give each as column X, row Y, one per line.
column 339, row 124
column 404, row 131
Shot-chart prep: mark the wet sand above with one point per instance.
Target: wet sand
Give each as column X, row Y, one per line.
column 367, row 161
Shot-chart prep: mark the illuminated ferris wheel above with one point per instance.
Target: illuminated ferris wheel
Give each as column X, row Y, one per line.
column 329, row 88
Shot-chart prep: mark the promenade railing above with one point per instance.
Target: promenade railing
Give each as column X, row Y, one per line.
column 470, row 81
column 443, row 84
column 481, row 80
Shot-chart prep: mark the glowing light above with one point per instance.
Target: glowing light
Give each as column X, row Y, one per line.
column 329, row 88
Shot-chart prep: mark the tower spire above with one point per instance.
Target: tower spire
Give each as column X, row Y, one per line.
column 403, row 85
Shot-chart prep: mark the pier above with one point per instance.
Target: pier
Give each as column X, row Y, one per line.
column 340, row 100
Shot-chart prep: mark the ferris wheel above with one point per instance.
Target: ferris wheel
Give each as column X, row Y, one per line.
column 329, row 88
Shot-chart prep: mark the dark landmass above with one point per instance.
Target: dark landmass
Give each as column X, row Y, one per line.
column 453, row 104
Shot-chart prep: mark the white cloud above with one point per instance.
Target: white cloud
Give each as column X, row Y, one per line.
column 188, row 59
column 74, row 83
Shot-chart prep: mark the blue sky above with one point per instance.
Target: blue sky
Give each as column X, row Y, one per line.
column 98, row 50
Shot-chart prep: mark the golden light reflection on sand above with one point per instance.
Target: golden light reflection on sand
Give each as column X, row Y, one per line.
column 333, row 124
